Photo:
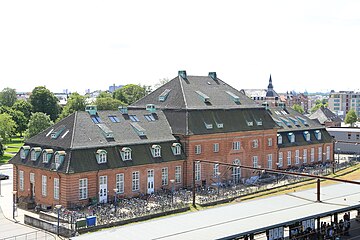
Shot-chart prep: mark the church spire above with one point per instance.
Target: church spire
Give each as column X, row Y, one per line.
column 270, row 86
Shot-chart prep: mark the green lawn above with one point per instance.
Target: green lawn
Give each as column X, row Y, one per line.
column 12, row 148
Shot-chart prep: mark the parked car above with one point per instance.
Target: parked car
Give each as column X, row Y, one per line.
column 3, row 176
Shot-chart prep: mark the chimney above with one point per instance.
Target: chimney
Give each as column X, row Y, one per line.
column 182, row 74
column 213, row 75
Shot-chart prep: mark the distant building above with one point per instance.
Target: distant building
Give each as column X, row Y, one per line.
column 341, row 102
column 326, row 117
column 300, row 99
column 113, row 88
column 62, row 97
column 347, row 140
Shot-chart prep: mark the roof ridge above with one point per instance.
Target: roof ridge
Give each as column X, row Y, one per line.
column 73, row 130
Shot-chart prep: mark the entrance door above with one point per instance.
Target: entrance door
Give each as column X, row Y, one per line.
column 150, row 181
column 236, row 172
column 32, row 185
column 103, row 189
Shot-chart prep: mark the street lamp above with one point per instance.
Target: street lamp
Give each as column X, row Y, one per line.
column 14, row 203
column 115, row 198
column 172, row 191
column 58, row 207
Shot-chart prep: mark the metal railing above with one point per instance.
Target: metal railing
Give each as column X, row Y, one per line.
column 36, row 235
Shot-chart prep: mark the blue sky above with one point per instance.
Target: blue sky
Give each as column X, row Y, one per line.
column 78, row 45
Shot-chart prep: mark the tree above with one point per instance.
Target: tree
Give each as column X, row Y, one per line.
column 108, row 103
column 7, row 126
column 130, row 93
column 351, row 117
column 8, row 97
column 161, row 82
column 76, row 102
column 45, row 101
column 104, row 94
column 18, row 117
column 39, row 121
column 24, row 107
column 298, row 108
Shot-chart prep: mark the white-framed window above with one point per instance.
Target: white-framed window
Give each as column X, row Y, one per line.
column 33, row 155
column 176, row 148
column 56, row 188
column 197, row 149
column 32, row 177
column 164, row 176
column 83, row 188
column 255, row 143
column 216, row 169
column 120, row 183
column 156, row 151
column 236, row 145
column 101, row 156
column 327, row 153
column 279, row 138
column 312, row 154
column 216, row 147
column 304, row 155
column 291, row 137
column 22, row 154
column 318, row 135
column 45, row 157
column 307, row 136
column 178, row 174
column 236, row 171
column 255, row 160
column 197, row 171
column 280, row 159
column 270, row 142
column 43, row 185
column 135, row 181
column 125, row 153
column 269, row 161
column 319, row 153
column 21, row 180
column 297, row 156
column 289, row 158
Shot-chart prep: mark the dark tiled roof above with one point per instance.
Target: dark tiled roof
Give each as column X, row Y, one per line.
column 231, row 120
column 186, row 94
column 287, row 116
column 325, row 115
column 300, row 140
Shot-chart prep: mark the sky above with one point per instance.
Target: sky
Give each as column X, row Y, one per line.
column 306, row 45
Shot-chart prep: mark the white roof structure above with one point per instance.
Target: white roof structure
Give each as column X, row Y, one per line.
column 227, row 222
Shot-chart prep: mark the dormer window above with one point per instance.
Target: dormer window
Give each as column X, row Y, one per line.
column 35, row 153
column 279, row 138
column 208, row 125
column 125, row 153
column 176, row 148
column 59, row 158
column 156, row 150
column 318, row 135
column 291, row 137
column 307, row 136
column 101, row 156
column 250, row 123
column 46, row 155
column 24, row 151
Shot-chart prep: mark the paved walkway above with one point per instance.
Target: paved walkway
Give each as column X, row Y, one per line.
column 10, row 228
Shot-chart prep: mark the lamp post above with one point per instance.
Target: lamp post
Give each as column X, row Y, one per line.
column 14, row 203
column 338, row 152
column 172, row 191
column 58, row 207
column 115, row 198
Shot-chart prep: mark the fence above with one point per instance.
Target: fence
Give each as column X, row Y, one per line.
column 65, row 232
column 37, row 235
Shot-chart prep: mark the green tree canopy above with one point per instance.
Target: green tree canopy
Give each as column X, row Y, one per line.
column 76, row 102
column 45, row 101
column 7, row 126
column 298, row 108
column 351, row 117
column 104, row 94
column 130, row 93
column 18, row 117
column 8, row 97
column 24, row 107
column 39, row 121
column 108, row 103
